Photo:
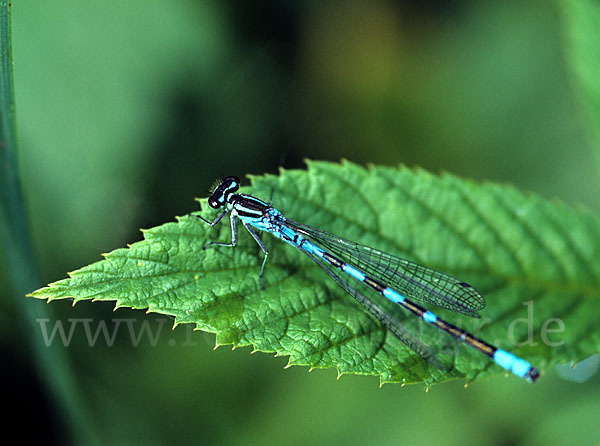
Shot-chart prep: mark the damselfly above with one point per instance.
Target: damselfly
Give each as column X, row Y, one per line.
column 398, row 280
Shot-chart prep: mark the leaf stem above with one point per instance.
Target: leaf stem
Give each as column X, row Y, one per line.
column 52, row 364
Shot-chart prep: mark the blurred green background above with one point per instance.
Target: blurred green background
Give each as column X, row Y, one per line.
column 128, row 110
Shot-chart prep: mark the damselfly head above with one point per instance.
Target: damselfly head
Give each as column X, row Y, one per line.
column 223, row 191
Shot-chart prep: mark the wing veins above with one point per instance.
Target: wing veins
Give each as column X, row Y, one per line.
column 414, row 281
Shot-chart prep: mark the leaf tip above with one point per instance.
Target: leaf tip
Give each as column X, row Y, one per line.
column 40, row 294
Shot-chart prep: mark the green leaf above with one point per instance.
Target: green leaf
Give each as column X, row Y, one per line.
column 534, row 260
column 582, row 26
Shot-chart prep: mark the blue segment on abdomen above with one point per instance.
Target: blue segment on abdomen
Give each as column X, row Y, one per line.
column 289, row 233
column 392, row 295
column 428, row 316
column 309, row 247
column 512, row 363
column 353, row 272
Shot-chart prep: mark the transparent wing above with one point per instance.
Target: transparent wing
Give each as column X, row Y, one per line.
column 412, row 280
column 403, row 330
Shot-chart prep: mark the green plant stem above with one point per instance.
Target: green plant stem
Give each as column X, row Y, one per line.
column 52, row 363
